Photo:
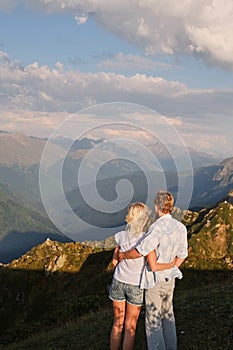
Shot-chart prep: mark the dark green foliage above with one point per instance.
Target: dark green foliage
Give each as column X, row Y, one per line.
column 22, row 179
column 211, row 237
column 15, row 215
column 22, row 226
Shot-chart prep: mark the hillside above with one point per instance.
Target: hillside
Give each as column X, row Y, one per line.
column 22, row 150
column 55, row 287
column 19, row 163
column 55, row 296
column 203, row 320
column 212, row 183
column 211, row 236
column 21, row 226
column 50, row 285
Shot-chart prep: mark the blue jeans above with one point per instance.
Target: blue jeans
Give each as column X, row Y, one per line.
column 160, row 320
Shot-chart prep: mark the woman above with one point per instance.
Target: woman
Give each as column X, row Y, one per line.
column 125, row 292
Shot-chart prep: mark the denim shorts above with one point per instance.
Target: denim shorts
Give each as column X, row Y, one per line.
column 120, row 291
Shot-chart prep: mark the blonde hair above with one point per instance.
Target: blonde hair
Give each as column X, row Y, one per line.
column 164, row 201
column 136, row 217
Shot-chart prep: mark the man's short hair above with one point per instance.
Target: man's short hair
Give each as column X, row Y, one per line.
column 164, row 201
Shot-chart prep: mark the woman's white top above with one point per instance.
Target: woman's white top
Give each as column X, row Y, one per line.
column 129, row 270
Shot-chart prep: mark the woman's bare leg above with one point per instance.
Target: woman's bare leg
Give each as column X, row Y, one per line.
column 118, row 324
column 131, row 318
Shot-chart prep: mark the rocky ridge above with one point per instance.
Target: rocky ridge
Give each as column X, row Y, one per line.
column 225, row 174
column 211, row 236
column 210, row 232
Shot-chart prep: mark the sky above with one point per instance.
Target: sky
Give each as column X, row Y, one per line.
column 58, row 57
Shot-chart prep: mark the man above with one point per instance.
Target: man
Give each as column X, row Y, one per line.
column 168, row 237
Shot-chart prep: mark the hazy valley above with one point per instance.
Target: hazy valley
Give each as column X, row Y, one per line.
column 20, row 157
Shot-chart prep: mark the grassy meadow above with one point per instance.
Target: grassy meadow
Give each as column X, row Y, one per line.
column 203, row 310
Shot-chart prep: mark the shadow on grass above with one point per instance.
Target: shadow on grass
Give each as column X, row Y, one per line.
column 33, row 301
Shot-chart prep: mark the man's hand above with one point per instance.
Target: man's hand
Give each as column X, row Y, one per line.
column 129, row 254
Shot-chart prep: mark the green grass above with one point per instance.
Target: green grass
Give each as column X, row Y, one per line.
column 203, row 310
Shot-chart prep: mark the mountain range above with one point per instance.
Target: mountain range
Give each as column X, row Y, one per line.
column 20, row 157
column 212, row 183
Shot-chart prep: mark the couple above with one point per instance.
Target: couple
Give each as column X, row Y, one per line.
column 147, row 261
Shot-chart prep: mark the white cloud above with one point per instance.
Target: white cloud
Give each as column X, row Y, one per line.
column 195, row 27
column 7, row 5
column 50, row 89
column 36, row 87
column 131, row 62
column 81, row 18
column 35, row 98
column 31, row 122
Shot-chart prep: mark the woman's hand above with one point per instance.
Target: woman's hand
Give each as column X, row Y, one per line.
column 173, row 262
column 155, row 266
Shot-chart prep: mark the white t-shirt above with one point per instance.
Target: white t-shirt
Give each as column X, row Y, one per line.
column 129, row 270
column 168, row 237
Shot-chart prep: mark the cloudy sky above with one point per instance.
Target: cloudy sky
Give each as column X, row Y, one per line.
column 58, row 57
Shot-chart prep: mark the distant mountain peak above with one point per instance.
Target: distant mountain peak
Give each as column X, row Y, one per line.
column 20, row 149
column 227, row 162
column 225, row 172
